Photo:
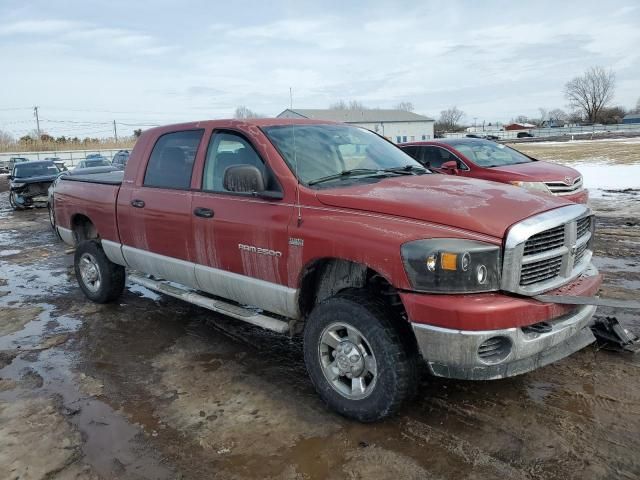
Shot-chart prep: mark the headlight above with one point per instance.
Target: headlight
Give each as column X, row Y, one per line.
column 534, row 186
column 17, row 184
column 449, row 265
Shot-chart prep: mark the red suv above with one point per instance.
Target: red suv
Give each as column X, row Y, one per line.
column 487, row 160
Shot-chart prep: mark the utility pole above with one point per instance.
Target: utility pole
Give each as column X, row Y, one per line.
column 290, row 98
column 35, row 112
column 115, row 131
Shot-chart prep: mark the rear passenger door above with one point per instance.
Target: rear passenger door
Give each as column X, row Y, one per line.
column 155, row 217
column 240, row 240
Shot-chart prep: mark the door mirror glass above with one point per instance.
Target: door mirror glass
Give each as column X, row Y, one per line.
column 243, row 179
column 450, row 167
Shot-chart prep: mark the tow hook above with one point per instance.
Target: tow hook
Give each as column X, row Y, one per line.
column 608, row 331
column 614, row 336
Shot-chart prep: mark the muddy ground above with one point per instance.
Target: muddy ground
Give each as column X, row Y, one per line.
column 154, row 388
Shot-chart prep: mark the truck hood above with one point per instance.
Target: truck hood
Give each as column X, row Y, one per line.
column 540, row 172
column 39, row 179
column 475, row 205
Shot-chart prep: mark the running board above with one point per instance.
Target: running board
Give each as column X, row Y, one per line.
column 219, row 306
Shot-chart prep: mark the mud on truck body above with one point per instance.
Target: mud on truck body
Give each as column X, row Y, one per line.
column 337, row 235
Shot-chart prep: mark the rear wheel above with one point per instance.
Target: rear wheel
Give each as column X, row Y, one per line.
column 100, row 279
column 357, row 358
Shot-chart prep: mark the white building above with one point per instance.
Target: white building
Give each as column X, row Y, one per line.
column 398, row 126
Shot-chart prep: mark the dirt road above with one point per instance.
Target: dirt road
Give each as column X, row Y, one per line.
column 153, row 388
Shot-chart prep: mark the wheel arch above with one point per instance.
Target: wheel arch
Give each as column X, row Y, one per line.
column 83, row 228
column 324, row 277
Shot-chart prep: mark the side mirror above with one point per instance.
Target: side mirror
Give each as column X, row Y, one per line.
column 10, row 177
column 450, row 167
column 248, row 179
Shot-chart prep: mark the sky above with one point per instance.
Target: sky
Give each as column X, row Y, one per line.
column 86, row 63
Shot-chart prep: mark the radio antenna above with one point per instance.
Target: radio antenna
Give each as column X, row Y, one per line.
column 295, row 160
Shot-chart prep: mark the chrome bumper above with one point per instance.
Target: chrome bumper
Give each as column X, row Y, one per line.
column 454, row 353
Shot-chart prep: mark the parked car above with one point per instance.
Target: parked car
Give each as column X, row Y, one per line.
column 332, row 232
column 14, row 160
column 92, row 162
column 52, row 188
column 29, row 181
column 121, row 158
column 478, row 158
column 524, row 135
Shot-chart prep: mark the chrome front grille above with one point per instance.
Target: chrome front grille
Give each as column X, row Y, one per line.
column 540, row 271
column 545, row 241
column 548, row 250
column 561, row 187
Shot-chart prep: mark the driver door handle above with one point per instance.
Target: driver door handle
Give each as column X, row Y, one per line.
column 137, row 203
column 203, row 212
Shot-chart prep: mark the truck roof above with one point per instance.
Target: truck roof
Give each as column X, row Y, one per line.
column 257, row 122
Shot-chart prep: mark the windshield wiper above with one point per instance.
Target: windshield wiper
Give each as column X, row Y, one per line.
column 347, row 173
column 406, row 170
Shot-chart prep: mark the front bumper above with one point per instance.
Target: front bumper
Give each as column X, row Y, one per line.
column 581, row 196
column 454, row 353
column 450, row 329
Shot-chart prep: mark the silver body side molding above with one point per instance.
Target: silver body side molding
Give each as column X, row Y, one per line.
column 66, row 235
column 245, row 290
column 113, row 251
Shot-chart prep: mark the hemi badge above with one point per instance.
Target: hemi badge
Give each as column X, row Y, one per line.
column 296, row 242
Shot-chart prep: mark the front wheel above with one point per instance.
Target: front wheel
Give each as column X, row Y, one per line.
column 12, row 201
column 100, row 279
column 357, row 359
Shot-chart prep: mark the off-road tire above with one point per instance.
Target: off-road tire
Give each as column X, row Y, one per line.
column 393, row 349
column 112, row 275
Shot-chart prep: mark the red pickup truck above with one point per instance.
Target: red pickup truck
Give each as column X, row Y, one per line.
column 332, row 232
column 480, row 158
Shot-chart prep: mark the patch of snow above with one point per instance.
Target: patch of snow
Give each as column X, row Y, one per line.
column 144, row 292
column 8, row 253
column 603, row 176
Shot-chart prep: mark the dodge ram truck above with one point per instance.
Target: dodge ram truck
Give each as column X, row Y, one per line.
column 331, row 232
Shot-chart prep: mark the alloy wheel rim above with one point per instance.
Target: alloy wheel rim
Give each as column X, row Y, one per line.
column 90, row 272
column 347, row 361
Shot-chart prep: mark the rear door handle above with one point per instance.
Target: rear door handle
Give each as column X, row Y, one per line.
column 203, row 212
column 137, row 203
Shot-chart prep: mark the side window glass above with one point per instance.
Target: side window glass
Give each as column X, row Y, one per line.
column 411, row 151
column 172, row 158
column 228, row 150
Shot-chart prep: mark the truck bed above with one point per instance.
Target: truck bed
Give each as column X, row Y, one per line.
column 108, row 178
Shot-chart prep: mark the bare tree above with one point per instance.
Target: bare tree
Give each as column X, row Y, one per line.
column 591, row 92
column 543, row 114
column 350, row 105
column 449, row 119
column 406, row 106
column 557, row 114
column 6, row 138
column 244, row 112
column 637, row 109
column 521, row 119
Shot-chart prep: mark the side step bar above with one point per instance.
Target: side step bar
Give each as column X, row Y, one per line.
column 219, row 306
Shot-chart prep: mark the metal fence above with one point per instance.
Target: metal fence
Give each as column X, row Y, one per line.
column 575, row 131
column 69, row 157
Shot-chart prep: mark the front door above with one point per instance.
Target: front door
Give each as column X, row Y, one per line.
column 240, row 241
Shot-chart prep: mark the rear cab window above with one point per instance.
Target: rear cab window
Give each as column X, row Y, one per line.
column 172, row 158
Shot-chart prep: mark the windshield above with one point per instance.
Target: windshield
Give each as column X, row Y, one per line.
column 324, row 150
column 489, row 154
column 27, row 170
